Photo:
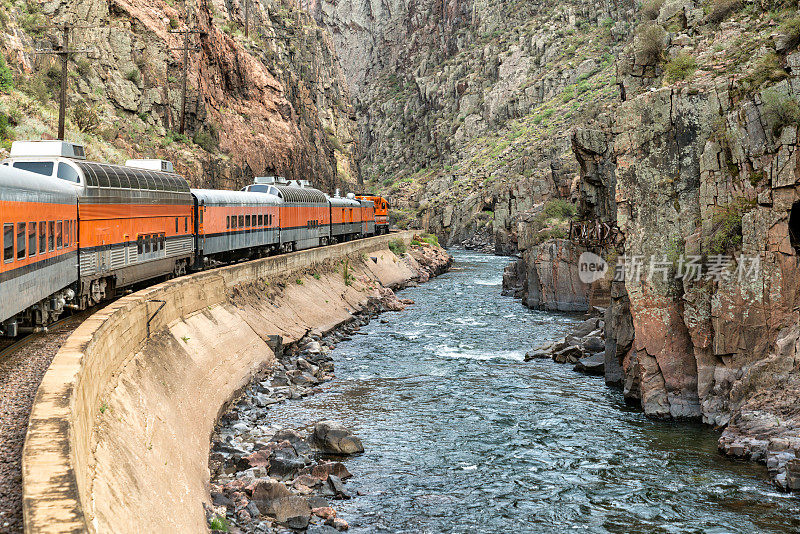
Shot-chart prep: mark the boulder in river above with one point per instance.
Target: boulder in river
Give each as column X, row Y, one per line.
column 592, row 365
column 334, row 438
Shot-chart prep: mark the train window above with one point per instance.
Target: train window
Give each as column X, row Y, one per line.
column 39, row 167
column 241, row 221
column 261, row 220
column 42, row 237
column 186, row 224
column 176, row 225
column 66, row 234
column 8, row 242
column 67, row 172
column 247, row 221
column 228, row 221
column 59, row 234
column 32, row 238
column 21, row 237
column 233, row 221
column 51, row 236
column 140, row 245
column 200, row 214
column 163, row 241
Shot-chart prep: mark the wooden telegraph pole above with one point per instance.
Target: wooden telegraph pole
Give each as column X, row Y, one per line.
column 246, row 19
column 64, row 53
column 185, row 49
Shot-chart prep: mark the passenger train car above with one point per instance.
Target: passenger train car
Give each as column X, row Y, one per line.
column 76, row 232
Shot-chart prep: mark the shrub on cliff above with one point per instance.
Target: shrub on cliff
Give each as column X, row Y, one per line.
column 6, row 76
column 397, row 247
column 768, row 68
column 791, row 29
column 726, row 227
column 719, row 10
column 650, row 9
column 780, row 110
column 681, row 67
column 648, row 44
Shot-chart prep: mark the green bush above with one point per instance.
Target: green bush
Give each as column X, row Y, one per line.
column 648, row 44
column 726, row 227
column 681, row 67
column 559, row 208
column 780, row 110
column 719, row 10
column 431, row 239
column 791, row 28
column 6, row 76
column 205, row 140
column 768, row 68
column 650, row 9
column 134, row 76
column 219, row 523
column 397, row 247
column 85, row 117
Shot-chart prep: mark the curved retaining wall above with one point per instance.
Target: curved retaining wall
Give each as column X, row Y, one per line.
column 119, row 432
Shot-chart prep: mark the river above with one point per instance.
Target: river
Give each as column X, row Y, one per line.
column 461, row 435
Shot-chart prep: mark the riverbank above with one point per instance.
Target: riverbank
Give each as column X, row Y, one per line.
column 132, row 397
column 462, row 435
column 264, row 477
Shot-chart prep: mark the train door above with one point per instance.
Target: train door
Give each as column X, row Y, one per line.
column 103, row 249
column 200, row 226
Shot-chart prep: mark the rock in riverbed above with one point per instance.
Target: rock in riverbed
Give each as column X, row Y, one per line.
column 334, row 438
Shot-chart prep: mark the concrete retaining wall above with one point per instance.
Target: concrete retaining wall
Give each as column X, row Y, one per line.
column 119, row 432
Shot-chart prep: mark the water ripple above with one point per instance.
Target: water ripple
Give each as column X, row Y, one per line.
column 463, row 437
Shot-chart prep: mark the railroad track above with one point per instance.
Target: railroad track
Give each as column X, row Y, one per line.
column 10, row 346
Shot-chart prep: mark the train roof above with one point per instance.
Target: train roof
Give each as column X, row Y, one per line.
column 301, row 194
column 24, row 186
column 118, row 176
column 235, row 198
column 343, row 202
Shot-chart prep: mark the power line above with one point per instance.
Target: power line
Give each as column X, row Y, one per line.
column 185, row 49
column 64, row 53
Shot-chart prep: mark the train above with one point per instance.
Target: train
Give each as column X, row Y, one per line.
column 77, row 232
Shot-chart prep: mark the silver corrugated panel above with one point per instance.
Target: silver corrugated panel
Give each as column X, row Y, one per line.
column 176, row 247
column 117, row 257
column 88, row 263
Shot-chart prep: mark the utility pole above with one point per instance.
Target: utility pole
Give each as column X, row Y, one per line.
column 246, row 19
column 185, row 49
column 64, row 53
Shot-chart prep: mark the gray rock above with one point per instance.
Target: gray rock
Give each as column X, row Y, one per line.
column 284, row 464
column 592, row 365
column 336, row 439
column 321, row 529
column 568, row 355
column 594, row 344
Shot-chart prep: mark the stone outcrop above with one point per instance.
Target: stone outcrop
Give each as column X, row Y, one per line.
column 706, row 168
column 267, row 104
column 547, row 278
column 465, row 106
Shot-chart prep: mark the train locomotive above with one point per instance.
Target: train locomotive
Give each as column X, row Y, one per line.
column 76, row 233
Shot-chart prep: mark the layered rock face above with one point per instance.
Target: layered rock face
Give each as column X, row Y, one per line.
column 465, row 106
column 706, row 169
column 273, row 103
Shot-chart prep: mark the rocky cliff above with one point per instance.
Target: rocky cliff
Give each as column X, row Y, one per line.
column 465, row 106
column 272, row 102
column 699, row 167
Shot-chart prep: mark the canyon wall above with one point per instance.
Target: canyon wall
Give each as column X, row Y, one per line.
column 465, row 106
column 274, row 102
column 706, row 168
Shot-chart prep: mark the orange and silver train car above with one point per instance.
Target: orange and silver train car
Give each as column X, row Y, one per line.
column 135, row 221
column 38, row 273
column 232, row 224
column 381, row 212
column 305, row 216
column 346, row 220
